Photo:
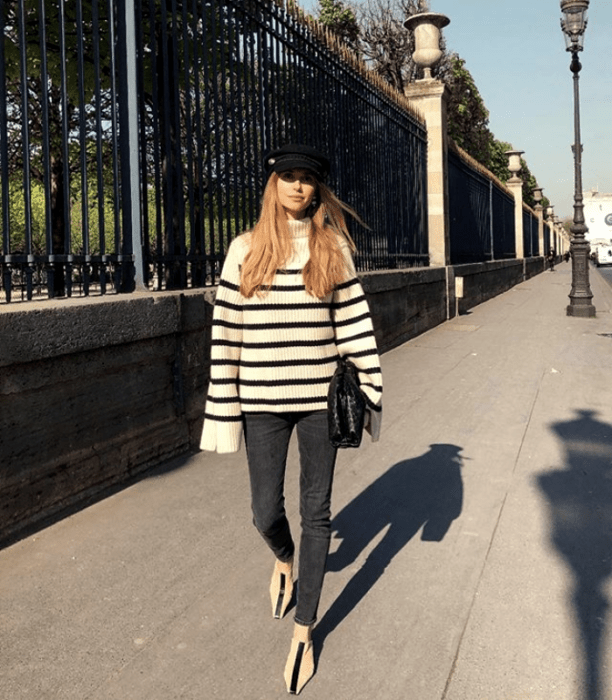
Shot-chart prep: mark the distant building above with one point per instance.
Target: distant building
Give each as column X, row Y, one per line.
column 598, row 215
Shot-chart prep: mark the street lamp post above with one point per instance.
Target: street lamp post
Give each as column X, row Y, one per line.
column 574, row 24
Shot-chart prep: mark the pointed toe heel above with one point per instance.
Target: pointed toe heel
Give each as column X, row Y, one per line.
column 281, row 588
column 300, row 666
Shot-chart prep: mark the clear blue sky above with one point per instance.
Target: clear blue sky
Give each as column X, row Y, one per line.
column 516, row 54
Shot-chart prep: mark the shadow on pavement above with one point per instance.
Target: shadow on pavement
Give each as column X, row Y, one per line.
column 425, row 492
column 580, row 509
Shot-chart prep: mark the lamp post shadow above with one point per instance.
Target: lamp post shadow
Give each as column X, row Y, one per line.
column 425, row 492
column 580, row 509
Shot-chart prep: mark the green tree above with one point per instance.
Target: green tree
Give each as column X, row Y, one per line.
column 64, row 107
column 341, row 20
column 377, row 34
column 468, row 126
column 171, row 38
column 498, row 160
column 374, row 30
column 191, row 73
column 468, row 118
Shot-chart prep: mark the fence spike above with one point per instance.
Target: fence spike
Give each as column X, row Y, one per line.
column 464, row 155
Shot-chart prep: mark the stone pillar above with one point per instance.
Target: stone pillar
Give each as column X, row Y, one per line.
column 539, row 210
column 517, row 190
column 430, row 98
column 550, row 218
column 515, row 185
column 558, row 232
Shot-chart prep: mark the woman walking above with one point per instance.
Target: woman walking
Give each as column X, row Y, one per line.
column 288, row 305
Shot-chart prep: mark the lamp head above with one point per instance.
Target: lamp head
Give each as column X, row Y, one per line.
column 574, row 22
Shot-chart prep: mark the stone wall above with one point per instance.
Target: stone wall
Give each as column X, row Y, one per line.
column 482, row 281
column 405, row 303
column 533, row 266
column 94, row 392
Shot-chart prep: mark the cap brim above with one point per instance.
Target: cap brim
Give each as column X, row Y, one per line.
column 289, row 162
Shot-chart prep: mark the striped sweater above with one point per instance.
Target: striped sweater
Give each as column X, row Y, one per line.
column 277, row 353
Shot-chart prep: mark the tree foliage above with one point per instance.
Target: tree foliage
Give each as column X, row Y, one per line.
column 468, row 118
column 375, row 30
column 65, row 93
column 81, row 119
column 341, row 20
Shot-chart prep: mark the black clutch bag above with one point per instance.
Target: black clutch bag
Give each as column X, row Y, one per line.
column 346, row 406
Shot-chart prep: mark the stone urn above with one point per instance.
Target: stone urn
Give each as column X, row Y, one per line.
column 426, row 27
column 537, row 194
column 514, row 164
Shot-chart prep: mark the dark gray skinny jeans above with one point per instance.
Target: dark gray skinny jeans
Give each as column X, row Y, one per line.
column 267, row 440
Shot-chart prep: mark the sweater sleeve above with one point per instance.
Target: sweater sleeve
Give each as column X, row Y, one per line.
column 354, row 333
column 222, row 430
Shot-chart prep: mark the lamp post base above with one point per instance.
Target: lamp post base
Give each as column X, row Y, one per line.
column 580, row 295
column 581, row 311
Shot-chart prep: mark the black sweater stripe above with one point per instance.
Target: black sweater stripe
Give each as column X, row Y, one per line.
column 348, row 302
column 364, row 353
column 377, row 387
column 351, row 321
column 283, row 382
column 358, row 336
column 273, row 287
column 224, row 419
column 347, row 284
column 282, row 402
column 228, row 305
column 287, row 307
column 270, row 326
column 226, row 343
column 223, row 399
column 268, row 345
column 229, row 285
column 370, row 370
column 287, row 287
column 287, row 324
column 303, row 362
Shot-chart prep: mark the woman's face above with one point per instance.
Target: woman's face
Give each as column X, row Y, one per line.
column 296, row 189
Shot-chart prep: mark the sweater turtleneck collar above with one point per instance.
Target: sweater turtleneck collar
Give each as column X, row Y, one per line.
column 299, row 228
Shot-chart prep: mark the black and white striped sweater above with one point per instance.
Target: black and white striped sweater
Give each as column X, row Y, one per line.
column 277, row 353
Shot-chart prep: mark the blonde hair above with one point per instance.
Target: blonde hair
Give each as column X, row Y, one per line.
column 271, row 244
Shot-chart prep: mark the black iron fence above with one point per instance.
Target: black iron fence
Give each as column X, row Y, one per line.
column 548, row 239
column 530, row 233
column 502, row 214
column 132, row 135
column 65, row 201
column 551, row 239
column 481, row 213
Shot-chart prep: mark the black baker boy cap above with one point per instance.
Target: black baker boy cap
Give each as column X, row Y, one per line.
column 293, row 155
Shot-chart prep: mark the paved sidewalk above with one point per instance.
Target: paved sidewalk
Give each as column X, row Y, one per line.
column 472, row 556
